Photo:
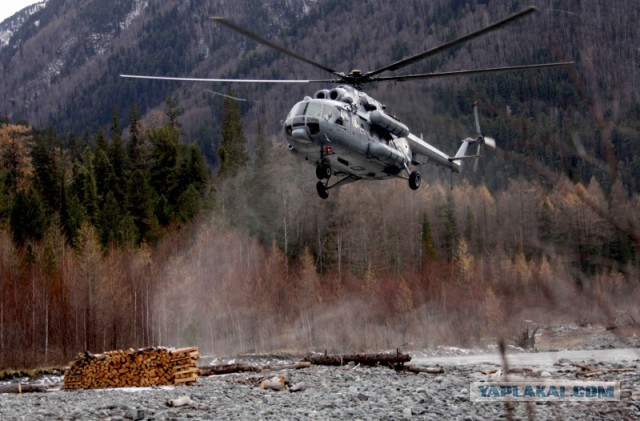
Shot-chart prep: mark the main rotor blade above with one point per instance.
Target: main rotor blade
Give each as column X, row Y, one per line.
column 195, row 79
column 410, row 60
column 235, row 98
column 470, row 72
column 270, row 44
column 477, row 120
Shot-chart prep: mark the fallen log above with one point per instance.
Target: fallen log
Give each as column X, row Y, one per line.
column 583, row 367
column 599, row 372
column 215, row 370
column 391, row 360
column 417, row 370
column 23, row 388
column 293, row 366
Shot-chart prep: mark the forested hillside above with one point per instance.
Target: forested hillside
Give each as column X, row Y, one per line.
column 136, row 213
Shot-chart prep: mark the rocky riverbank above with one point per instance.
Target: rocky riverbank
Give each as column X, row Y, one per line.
column 347, row 392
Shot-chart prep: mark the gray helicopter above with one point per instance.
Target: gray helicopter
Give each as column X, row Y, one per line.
column 348, row 135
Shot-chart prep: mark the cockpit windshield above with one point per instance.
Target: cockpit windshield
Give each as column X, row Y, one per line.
column 298, row 109
column 315, row 109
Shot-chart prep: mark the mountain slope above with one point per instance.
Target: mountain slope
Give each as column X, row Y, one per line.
column 12, row 24
column 70, row 61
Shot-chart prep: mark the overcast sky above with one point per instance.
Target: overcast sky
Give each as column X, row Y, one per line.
column 10, row 7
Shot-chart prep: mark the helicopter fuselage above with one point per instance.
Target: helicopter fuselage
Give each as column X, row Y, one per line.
column 348, row 132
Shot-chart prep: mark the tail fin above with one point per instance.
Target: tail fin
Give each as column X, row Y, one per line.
column 480, row 140
column 462, row 152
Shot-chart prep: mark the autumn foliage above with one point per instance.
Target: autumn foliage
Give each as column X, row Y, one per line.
column 377, row 267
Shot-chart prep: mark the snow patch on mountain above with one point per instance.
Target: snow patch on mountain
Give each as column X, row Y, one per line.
column 11, row 25
column 140, row 5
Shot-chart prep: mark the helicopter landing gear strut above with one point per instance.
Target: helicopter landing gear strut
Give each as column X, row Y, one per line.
column 414, row 180
column 323, row 171
column 323, row 186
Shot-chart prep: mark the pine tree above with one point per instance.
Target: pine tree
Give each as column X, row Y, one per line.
column 450, row 227
column 141, row 207
column 110, row 218
column 260, row 186
column 73, row 215
column 173, row 113
column 117, row 158
column 232, row 151
column 85, row 185
column 546, row 222
column 163, row 162
column 428, row 248
column 28, row 217
column 135, row 146
column 48, row 177
column 189, row 204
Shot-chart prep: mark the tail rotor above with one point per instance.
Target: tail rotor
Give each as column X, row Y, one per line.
column 480, row 139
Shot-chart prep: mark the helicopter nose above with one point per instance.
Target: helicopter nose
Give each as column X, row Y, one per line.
column 300, row 134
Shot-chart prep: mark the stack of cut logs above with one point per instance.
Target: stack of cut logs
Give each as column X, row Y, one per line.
column 143, row 367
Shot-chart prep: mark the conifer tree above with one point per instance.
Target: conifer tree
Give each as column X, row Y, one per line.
column 173, row 113
column 72, row 215
column 28, row 217
column 232, row 151
column 449, row 226
column 163, row 161
column 141, row 207
column 117, row 158
column 189, row 204
column 109, row 220
column 48, row 177
column 85, row 186
column 428, row 248
column 134, row 149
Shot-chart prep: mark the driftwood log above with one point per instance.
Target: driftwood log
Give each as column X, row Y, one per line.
column 607, row 371
column 427, row 370
column 391, row 360
column 216, row 370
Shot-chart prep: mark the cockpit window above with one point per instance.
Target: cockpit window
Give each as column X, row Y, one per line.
column 298, row 109
column 314, row 110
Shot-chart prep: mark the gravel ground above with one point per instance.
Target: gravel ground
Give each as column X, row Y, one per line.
column 354, row 392
column 348, row 392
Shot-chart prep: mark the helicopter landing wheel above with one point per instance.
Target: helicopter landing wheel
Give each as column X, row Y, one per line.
column 322, row 190
column 414, row 180
column 323, row 171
